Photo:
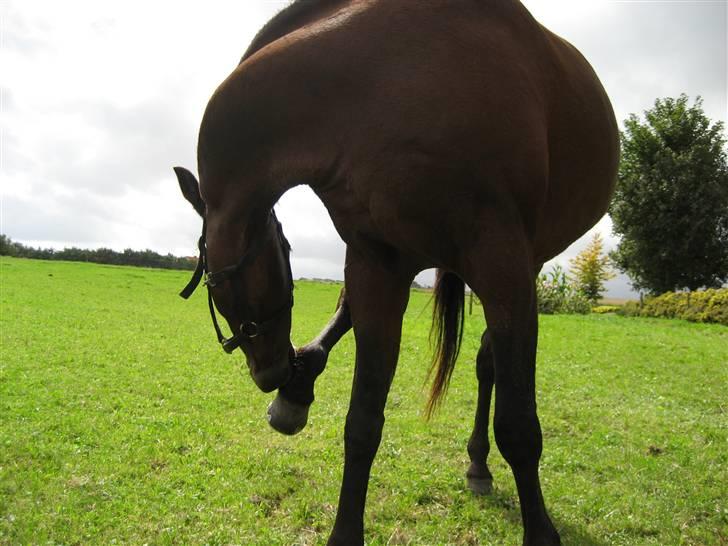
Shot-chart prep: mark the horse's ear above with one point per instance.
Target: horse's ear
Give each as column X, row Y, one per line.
column 190, row 189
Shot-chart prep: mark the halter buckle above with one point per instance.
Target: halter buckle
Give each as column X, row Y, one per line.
column 250, row 329
column 210, row 280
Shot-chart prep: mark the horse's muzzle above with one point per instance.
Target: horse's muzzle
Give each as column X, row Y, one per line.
column 272, row 375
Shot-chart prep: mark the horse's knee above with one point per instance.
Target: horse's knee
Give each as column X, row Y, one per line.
column 362, row 434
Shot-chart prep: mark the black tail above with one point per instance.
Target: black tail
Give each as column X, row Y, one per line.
column 448, row 318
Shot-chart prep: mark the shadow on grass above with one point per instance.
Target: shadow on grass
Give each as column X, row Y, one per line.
column 571, row 535
column 576, row 536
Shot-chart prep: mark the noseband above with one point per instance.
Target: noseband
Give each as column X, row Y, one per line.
column 249, row 329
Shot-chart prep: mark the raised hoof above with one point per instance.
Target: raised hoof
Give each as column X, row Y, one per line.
column 480, row 486
column 287, row 417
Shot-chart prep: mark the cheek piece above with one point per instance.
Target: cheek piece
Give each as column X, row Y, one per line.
column 249, row 328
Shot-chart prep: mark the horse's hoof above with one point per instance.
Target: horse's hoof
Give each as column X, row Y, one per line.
column 480, row 486
column 287, row 417
column 548, row 538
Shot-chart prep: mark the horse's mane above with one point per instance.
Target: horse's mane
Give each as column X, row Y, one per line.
column 290, row 18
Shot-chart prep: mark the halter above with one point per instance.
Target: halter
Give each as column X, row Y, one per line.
column 248, row 328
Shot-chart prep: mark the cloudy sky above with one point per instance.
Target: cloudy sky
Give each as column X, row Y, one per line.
column 100, row 99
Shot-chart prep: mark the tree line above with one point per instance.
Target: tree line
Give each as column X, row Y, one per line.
column 139, row 258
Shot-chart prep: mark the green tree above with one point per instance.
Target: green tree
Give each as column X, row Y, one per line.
column 590, row 269
column 671, row 202
column 6, row 245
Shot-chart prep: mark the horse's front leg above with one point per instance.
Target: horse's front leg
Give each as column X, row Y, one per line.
column 377, row 299
column 288, row 413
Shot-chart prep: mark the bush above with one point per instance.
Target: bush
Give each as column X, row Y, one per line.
column 717, row 308
column 604, row 309
column 700, row 306
column 630, row 309
column 557, row 295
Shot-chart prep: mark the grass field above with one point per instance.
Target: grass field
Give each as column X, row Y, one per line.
column 122, row 422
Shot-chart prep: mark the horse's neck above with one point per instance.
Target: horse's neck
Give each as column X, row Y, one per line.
column 293, row 17
column 263, row 183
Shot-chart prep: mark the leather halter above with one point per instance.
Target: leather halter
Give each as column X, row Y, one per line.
column 248, row 328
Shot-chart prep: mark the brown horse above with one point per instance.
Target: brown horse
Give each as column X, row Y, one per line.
column 456, row 134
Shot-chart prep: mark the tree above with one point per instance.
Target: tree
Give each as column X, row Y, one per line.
column 6, row 245
column 590, row 269
column 671, row 202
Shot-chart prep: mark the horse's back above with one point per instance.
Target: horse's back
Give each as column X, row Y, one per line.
column 499, row 110
column 470, row 102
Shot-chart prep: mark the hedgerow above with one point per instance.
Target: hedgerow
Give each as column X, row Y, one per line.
column 699, row 306
column 604, row 309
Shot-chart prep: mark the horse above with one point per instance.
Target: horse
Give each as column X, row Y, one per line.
column 460, row 135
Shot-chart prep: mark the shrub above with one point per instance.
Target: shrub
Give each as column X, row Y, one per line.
column 604, row 309
column 699, row 306
column 557, row 295
column 717, row 308
column 576, row 303
column 630, row 309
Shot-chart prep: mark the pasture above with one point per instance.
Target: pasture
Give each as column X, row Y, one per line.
column 122, row 421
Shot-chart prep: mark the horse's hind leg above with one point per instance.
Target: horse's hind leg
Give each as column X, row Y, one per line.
column 506, row 287
column 479, row 478
column 288, row 413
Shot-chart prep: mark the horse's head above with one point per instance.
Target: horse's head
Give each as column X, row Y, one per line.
column 247, row 271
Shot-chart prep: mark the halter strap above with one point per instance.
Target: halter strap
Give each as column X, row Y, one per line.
column 201, row 265
column 248, row 329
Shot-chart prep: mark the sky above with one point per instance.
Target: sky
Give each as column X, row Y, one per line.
column 98, row 100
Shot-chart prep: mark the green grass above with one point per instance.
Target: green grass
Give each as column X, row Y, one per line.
column 121, row 421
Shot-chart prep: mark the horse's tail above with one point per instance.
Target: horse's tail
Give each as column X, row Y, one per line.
column 448, row 318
